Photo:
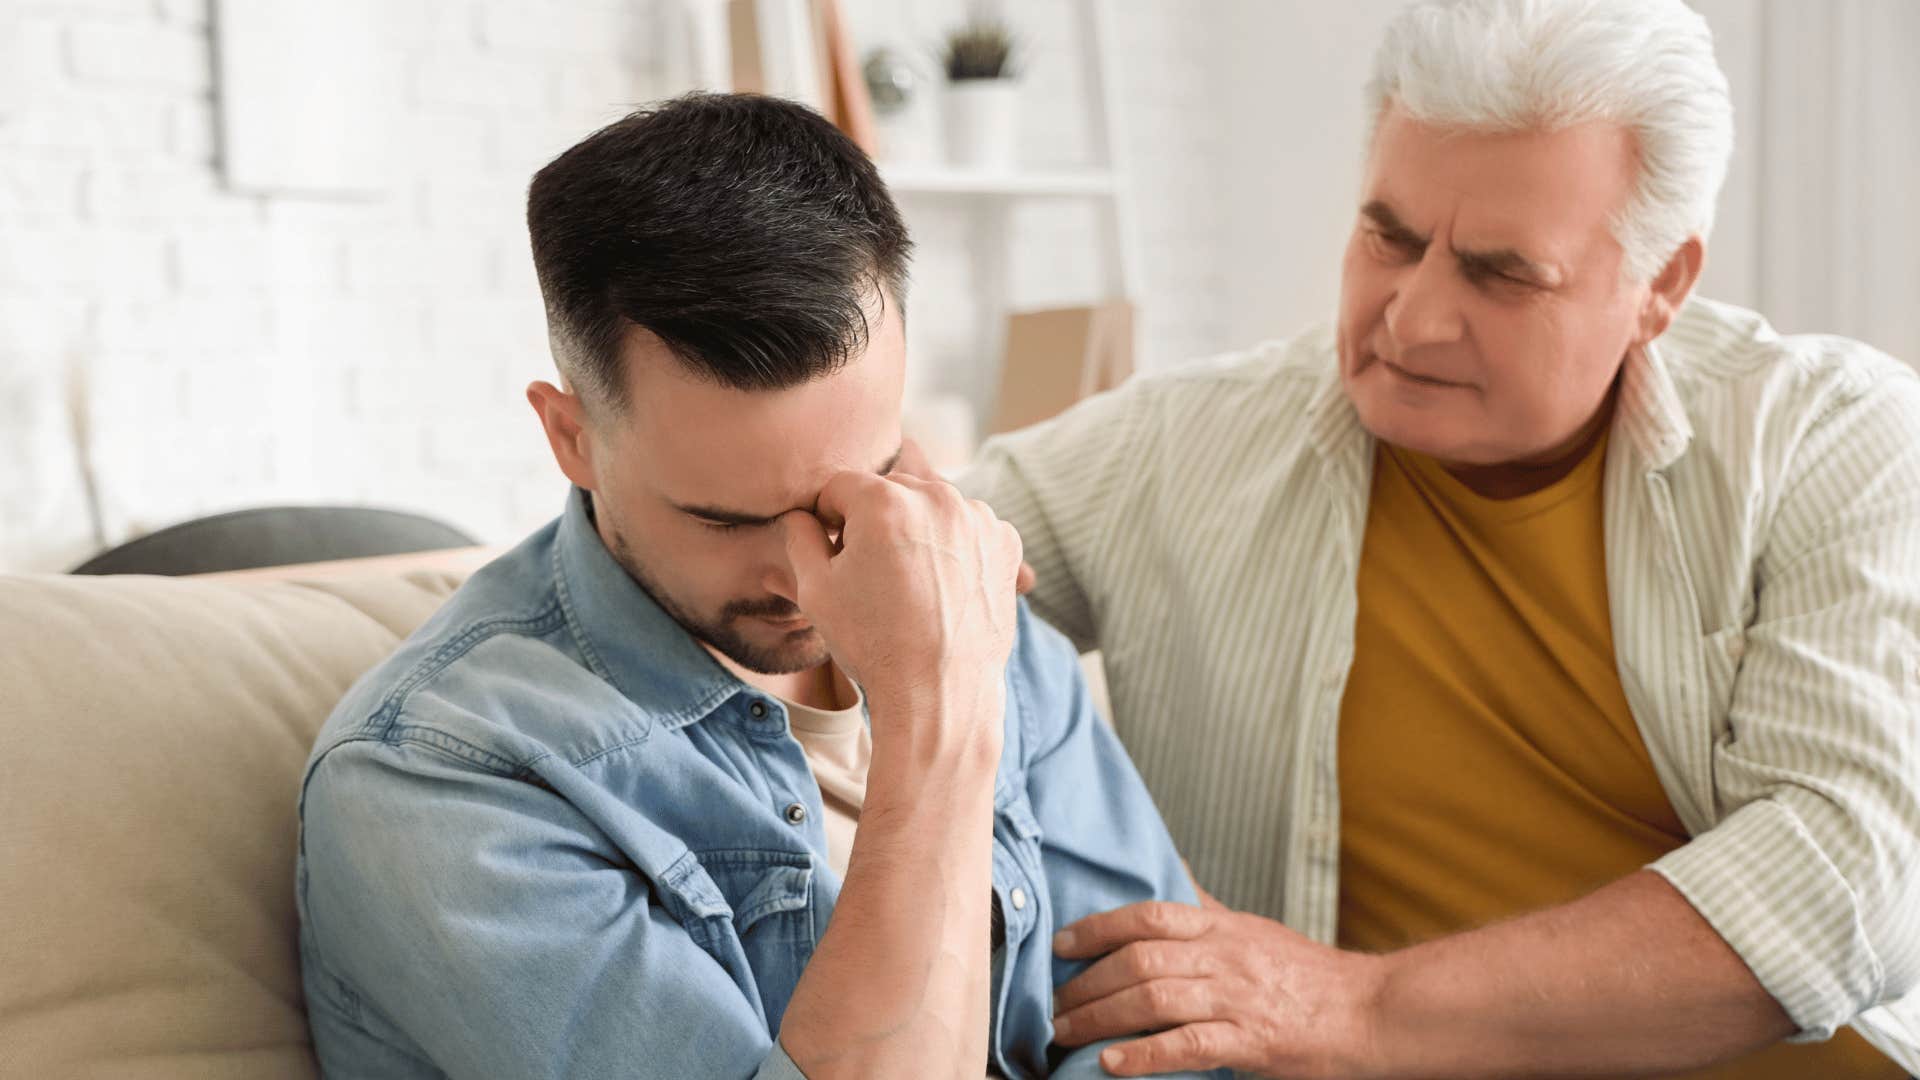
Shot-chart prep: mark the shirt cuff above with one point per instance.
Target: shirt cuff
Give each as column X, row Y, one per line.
column 778, row 1066
column 1765, row 886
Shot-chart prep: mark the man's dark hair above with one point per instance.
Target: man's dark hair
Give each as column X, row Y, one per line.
column 746, row 232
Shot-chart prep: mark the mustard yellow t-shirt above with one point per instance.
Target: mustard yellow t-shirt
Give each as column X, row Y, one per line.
column 1489, row 764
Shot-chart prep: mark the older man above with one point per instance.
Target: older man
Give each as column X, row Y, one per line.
column 1540, row 645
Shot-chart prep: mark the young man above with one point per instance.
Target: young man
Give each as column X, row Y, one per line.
column 598, row 817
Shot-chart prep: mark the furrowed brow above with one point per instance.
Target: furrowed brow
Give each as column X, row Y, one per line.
column 1389, row 223
column 1505, row 262
column 720, row 515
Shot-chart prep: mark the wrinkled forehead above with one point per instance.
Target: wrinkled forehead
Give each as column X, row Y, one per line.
column 1508, row 188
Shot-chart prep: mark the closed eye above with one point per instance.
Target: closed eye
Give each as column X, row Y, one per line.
column 1393, row 245
column 1495, row 277
column 728, row 526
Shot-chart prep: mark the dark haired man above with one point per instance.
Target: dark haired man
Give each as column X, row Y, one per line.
column 598, row 816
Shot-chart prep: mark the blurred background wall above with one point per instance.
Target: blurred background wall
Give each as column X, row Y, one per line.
column 170, row 347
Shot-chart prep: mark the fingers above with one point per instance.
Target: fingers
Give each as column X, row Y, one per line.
column 936, row 489
column 1132, row 965
column 913, row 462
column 808, row 548
column 913, row 466
column 1197, row 1047
column 982, row 512
column 1097, row 935
column 847, row 494
column 1150, row 1006
column 998, row 532
column 857, row 503
column 847, row 489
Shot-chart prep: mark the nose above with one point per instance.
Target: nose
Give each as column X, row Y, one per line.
column 1425, row 307
column 778, row 580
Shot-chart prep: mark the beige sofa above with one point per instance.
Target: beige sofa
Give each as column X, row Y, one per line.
column 152, row 733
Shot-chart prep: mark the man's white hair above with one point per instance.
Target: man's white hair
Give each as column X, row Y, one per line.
column 1544, row 65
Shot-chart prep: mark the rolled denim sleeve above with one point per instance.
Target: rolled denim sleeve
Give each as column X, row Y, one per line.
column 499, row 930
column 1103, row 844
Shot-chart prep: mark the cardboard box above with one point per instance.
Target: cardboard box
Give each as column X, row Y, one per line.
column 1054, row 358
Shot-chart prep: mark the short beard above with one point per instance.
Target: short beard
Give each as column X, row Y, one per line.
column 805, row 649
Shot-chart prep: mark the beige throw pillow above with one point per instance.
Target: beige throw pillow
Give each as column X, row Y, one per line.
column 152, row 734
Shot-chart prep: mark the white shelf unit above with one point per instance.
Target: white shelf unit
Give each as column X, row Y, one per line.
column 990, row 197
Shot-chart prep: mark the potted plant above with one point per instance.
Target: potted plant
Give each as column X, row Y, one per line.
column 981, row 95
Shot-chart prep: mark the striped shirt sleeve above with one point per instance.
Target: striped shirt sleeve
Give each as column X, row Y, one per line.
column 1059, row 483
column 1809, row 873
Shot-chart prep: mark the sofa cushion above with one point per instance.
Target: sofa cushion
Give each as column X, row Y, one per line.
column 153, row 732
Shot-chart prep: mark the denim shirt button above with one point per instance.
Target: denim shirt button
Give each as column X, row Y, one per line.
column 1019, row 898
column 796, row 814
column 758, row 709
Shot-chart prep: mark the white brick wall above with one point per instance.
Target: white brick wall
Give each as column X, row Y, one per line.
column 240, row 350
column 243, row 350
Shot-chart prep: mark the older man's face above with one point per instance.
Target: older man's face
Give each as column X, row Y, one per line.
column 1483, row 314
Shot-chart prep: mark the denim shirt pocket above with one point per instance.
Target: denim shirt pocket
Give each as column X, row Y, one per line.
column 695, row 902
column 769, row 895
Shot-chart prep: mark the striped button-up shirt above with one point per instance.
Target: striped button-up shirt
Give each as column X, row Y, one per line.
column 1203, row 527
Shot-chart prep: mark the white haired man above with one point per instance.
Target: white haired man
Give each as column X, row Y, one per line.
column 1533, row 658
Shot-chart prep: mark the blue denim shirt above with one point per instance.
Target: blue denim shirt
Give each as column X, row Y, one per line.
column 551, row 837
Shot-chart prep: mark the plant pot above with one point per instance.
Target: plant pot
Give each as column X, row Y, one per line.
column 980, row 116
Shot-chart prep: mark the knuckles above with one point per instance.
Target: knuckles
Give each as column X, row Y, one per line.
column 1145, row 960
column 1163, row 998
column 1197, row 1042
column 1163, row 920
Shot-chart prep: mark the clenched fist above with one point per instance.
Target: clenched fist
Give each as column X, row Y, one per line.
column 916, row 602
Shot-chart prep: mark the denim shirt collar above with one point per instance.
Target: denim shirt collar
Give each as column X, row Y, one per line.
column 625, row 636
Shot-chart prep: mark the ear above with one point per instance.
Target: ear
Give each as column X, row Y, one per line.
column 563, row 416
column 1667, row 292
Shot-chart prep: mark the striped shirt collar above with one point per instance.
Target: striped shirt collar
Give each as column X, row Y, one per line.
column 1650, row 415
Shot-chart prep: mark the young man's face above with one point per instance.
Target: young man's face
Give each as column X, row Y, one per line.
column 1483, row 313
column 689, row 478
